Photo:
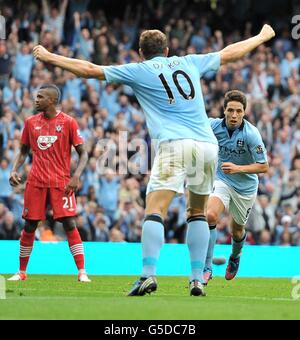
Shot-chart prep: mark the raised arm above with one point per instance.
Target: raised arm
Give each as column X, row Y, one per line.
column 15, row 179
column 239, row 50
column 63, row 8
column 80, row 68
column 46, row 10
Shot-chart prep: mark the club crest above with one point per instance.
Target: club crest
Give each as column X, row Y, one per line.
column 240, row 143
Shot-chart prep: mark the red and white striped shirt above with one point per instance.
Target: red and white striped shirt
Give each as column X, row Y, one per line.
column 51, row 142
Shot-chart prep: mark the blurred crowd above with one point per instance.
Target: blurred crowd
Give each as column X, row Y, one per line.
column 111, row 204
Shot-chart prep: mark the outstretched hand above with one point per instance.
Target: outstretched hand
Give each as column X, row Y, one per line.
column 41, row 53
column 267, row 33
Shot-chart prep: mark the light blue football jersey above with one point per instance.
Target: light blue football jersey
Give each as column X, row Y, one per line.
column 245, row 147
column 170, row 94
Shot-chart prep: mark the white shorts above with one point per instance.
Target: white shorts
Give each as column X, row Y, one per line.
column 182, row 160
column 239, row 206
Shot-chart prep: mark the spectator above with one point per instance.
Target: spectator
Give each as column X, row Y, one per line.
column 83, row 44
column 54, row 19
column 100, row 228
column 286, row 226
column 9, row 229
column 115, row 200
column 262, row 217
column 259, row 83
column 3, row 211
column 80, row 223
column 265, row 238
column 116, row 236
column 286, row 239
column 23, row 66
column 72, row 89
column 6, row 190
column 199, row 41
column 5, row 64
column 109, row 195
column 224, row 236
column 12, row 95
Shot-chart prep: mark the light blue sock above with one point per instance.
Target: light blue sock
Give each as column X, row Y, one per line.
column 197, row 240
column 152, row 241
column 211, row 247
column 237, row 246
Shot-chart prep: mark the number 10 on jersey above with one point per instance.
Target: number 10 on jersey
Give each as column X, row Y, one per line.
column 186, row 96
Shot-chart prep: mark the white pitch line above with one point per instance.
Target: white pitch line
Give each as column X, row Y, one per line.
column 48, row 298
column 257, row 298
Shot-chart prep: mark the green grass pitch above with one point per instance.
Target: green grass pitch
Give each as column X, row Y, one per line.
column 62, row 297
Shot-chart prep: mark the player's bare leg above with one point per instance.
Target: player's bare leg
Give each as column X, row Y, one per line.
column 214, row 211
column 197, row 240
column 158, row 202
column 26, row 246
column 76, row 246
column 157, row 205
column 238, row 231
column 239, row 236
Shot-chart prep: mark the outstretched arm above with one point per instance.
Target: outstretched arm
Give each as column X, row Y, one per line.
column 80, row 68
column 239, row 50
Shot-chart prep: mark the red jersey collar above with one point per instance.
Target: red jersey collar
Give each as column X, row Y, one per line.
column 57, row 114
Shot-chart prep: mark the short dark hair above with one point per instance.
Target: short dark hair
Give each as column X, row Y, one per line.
column 235, row 96
column 52, row 88
column 153, row 43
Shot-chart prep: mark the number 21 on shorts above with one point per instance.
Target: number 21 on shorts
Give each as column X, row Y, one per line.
column 68, row 203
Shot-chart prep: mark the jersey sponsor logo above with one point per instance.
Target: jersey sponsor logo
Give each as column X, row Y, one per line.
column 259, row 149
column 226, row 150
column 45, row 142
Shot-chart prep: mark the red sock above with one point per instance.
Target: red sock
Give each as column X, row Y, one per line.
column 26, row 245
column 76, row 248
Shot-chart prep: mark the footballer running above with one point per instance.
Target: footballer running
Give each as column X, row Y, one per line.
column 242, row 156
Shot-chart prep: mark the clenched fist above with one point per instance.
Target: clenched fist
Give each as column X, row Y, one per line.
column 267, row 33
column 41, row 53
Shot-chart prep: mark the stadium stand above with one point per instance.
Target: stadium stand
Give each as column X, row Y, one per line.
column 111, row 204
